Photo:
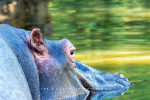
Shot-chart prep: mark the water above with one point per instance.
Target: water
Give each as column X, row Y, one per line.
column 102, row 25
column 138, row 75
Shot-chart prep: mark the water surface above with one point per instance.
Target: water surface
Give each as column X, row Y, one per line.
column 138, row 75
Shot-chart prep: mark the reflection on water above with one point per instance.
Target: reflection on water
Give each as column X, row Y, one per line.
column 103, row 24
column 26, row 14
column 96, row 95
column 103, row 95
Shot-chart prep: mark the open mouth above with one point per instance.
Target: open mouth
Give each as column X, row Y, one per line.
column 86, row 84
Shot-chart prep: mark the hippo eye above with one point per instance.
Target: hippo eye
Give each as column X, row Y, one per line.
column 71, row 52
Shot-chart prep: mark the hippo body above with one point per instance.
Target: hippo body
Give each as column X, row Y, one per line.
column 13, row 84
column 32, row 68
column 23, row 56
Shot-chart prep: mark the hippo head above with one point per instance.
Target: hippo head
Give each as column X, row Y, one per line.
column 61, row 76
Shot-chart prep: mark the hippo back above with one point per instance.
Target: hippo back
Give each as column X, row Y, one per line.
column 13, row 38
column 13, row 84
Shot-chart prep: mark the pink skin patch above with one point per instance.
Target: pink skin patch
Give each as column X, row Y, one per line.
column 37, row 42
column 38, row 48
column 44, row 64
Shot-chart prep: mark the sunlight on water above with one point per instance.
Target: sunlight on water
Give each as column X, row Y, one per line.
column 114, row 58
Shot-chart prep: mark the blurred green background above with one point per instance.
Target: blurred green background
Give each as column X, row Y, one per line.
column 102, row 24
column 110, row 35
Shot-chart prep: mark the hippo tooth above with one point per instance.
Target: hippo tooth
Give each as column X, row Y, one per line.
column 121, row 76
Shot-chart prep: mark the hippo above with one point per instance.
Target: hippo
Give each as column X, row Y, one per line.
column 33, row 68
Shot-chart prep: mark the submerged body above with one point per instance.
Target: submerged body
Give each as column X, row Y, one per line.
column 47, row 69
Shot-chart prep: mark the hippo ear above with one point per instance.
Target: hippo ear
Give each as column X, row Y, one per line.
column 37, row 42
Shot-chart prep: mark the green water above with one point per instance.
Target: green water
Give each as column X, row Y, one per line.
column 138, row 75
column 102, row 24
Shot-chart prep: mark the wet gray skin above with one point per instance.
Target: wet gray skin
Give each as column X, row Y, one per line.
column 42, row 69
